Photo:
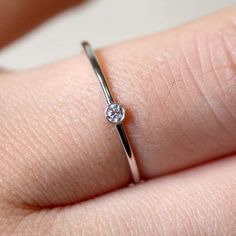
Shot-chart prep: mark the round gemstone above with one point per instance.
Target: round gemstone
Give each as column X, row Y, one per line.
column 115, row 113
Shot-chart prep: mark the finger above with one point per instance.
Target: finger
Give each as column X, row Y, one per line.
column 178, row 86
column 19, row 16
column 196, row 202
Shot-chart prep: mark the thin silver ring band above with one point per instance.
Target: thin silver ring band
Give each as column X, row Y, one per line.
column 121, row 131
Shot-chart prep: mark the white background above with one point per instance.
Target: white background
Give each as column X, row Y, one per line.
column 102, row 22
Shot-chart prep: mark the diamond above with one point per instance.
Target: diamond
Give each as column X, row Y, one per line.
column 115, row 113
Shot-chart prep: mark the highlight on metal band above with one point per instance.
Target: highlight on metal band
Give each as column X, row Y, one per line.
column 115, row 112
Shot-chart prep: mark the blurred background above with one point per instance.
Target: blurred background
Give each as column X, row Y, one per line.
column 102, row 22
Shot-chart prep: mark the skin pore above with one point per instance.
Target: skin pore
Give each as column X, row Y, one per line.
column 65, row 174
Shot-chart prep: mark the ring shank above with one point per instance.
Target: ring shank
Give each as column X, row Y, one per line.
column 120, row 129
column 98, row 71
column 129, row 153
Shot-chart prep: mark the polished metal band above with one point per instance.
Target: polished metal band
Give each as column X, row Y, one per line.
column 115, row 112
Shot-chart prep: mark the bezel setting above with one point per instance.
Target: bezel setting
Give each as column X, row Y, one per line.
column 115, row 113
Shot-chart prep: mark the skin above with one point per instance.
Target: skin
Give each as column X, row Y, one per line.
column 64, row 173
column 20, row 16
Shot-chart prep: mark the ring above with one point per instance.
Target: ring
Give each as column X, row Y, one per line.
column 114, row 113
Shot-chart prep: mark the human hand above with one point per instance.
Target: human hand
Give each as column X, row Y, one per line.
column 63, row 170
